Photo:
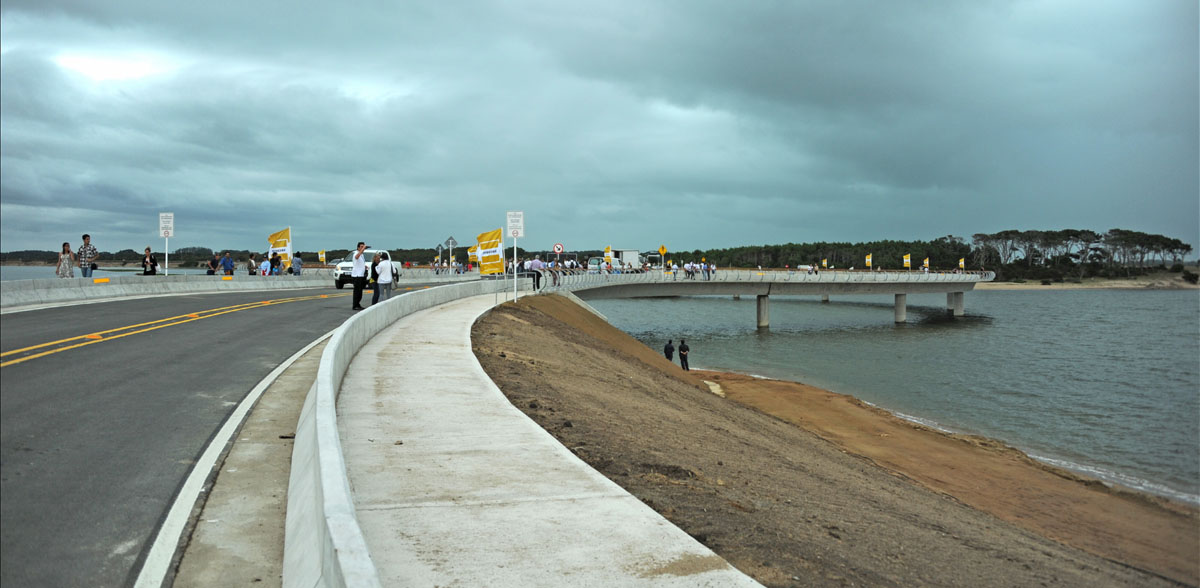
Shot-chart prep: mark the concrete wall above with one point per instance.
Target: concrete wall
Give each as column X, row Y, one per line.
column 323, row 543
column 18, row 293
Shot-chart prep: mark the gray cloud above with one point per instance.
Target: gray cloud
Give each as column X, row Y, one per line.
column 694, row 124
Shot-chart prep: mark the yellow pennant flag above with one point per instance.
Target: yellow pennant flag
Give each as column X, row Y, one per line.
column 824, row 262
column 962, row 263
column 907, row 260
column 281, row 243
column 868, row 260
column 471, row 253
column 490, row 250
column 926, row 263
column 321, row 255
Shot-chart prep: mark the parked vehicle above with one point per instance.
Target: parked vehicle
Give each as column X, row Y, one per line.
column 341, row 272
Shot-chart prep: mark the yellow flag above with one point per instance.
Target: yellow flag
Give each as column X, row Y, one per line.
column 907, row 260
column 926, row 263
column 321, row 255
column 962, row 263
column 490, row 250
column 281, row 243
column 868, row 260
column 471, row 256
column 824, row 262
column 608, row 254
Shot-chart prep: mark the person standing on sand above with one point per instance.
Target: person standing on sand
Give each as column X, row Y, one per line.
column 683, row 354
column 669, row 351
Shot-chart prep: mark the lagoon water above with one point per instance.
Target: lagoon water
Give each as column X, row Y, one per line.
column 1104, row 382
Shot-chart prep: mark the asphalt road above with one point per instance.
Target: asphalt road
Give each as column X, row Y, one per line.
column 96, row 439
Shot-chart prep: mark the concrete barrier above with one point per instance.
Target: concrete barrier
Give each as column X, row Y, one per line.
column 17, row 293
column 323, row 543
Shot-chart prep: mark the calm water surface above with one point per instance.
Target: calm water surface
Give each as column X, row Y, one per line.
column 1105, row 382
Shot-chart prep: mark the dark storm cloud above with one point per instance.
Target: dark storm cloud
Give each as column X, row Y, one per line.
column 695, row 124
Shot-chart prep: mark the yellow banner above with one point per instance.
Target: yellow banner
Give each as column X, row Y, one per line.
column 490, row 250
column 868, row 260
column 907, row 260
column 962, row 263
column 926, row 263
column 321, row 255
column 608, row 254
column 824, row 263
column 281, row 243
column 471, row 256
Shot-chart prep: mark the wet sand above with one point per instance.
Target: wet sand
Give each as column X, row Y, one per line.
column 800, row 486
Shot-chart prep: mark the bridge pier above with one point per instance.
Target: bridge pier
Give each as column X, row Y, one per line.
column 901, row 308
column 764, row 312
column 954, row 303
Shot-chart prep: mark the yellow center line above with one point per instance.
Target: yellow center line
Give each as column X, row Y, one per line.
column 117, row 333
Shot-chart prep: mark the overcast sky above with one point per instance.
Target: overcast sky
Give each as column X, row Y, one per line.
column 626, row 123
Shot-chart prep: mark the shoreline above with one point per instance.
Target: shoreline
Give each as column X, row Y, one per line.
column 1082, row 472
column 721, row 468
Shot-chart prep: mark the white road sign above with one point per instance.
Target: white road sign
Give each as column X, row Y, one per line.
column 166, row 224
column 516, row 223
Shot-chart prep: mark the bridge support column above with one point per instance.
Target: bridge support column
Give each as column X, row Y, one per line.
column 954, row 302
column 824, row 298
column 764, row 312
column 901, row 308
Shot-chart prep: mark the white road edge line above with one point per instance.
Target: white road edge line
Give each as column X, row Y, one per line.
column 158, row 560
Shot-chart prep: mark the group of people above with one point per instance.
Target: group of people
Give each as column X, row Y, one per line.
column 381, row 272
column 85, row 258
column 691, row 270
column 272, row 265
column 669, row 352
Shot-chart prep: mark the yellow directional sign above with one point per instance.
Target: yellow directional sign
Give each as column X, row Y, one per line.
column 662, row 249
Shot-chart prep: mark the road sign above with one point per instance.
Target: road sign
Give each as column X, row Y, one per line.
column 451, row 243
column 166, row 224
column 516, row 223
column 662, row 249
column 439, row 248
column 558, row 247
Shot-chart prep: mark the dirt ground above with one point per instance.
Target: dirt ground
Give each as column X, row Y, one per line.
column 798, row 487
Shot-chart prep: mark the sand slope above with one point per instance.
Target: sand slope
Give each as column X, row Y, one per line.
column 749, row 476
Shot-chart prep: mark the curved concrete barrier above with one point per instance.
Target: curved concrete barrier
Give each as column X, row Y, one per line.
column 17, row 293
column 323, row 543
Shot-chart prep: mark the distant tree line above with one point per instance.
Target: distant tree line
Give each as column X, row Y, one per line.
column 1012, row 254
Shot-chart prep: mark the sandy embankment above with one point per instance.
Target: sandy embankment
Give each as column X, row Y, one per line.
column 799, row 486
column 1154, row 281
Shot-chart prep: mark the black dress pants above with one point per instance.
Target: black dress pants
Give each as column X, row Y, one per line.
column 360, row 282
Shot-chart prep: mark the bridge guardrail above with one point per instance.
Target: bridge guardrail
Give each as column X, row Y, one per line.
column 571, row 279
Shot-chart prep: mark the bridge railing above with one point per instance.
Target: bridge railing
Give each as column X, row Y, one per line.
column 572, row 279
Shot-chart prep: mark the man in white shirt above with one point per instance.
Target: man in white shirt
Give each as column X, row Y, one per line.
column 359, row 274
column 535, row 268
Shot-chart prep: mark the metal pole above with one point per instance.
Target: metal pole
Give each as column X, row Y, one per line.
column 167, row 256
column 514, row 269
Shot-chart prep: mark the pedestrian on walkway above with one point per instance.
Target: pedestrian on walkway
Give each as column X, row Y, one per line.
column 669, row 351
column 227, row 264
column 535, row 267
column 66, row 262
column 297, row 265
column 264, row 268
column 87, row 256
column 383, row 283
column 149, row 264
column 213, row 263
column 251, row 265
column 683, row 354
column 359, row 274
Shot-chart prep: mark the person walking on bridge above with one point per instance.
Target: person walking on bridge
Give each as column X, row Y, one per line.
column 227, row 264
column 87, row 255
column 359, row 274
column 669, row 351
column 683, row 354
column 535, row 267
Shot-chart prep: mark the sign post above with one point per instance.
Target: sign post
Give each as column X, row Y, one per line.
column 558, row 249
column 662, row 252
column 450, row 243
column 516, row 228
column 166, row 227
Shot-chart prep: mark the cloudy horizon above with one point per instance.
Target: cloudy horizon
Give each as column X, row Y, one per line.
column 631, row 124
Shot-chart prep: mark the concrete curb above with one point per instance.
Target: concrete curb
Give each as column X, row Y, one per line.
column 323, row 543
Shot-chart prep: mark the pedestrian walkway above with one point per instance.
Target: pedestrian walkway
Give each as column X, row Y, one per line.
column 454, row 486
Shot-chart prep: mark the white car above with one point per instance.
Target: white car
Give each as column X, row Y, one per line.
column 341, row 273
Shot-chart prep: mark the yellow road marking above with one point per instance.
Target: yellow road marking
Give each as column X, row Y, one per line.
column 99, row 280
column 117, row 333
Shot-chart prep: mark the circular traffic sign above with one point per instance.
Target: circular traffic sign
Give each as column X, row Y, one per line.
column 515, row 232
column 558, row 247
